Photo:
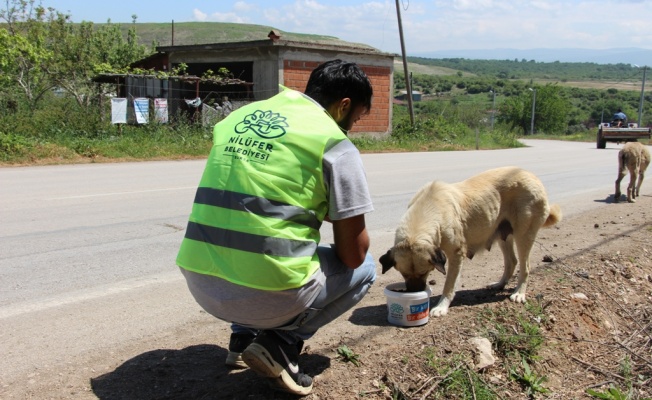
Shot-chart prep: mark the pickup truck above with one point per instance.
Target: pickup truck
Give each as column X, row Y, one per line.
column 629, row 133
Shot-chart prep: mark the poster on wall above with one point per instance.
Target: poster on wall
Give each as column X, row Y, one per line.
column 141, row 108
column 161, row 110
column 118, row 110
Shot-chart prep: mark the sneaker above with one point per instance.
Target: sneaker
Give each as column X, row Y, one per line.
column 271, row 357
column 237, row 343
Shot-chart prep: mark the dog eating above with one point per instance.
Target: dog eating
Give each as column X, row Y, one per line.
column 448, row 222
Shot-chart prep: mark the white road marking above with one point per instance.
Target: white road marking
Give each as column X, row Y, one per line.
column 86, row 294
column 83, row 196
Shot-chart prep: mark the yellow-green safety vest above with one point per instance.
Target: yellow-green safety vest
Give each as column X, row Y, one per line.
column 262, row 198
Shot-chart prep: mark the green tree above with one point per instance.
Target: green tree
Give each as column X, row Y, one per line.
column 551, row 111
column 24, row 53
column 41, row 49
column 84, row 50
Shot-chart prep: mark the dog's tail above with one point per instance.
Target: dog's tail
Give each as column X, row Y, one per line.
column 554, row 216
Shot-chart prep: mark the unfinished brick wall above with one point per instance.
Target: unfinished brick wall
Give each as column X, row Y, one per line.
column 296, row 74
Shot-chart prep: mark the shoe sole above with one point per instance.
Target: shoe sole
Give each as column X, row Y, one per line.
column 261, row 362
column 234, row 360
column 258, row 359
column 286, row 384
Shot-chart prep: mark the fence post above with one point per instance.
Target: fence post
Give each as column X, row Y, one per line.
column 477, row 139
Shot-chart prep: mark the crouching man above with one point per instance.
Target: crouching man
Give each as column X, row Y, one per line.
column 251, row 255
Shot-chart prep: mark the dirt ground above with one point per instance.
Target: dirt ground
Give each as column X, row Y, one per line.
column 591, row 282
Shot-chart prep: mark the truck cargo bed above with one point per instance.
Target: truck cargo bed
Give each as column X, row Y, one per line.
column 631, row 133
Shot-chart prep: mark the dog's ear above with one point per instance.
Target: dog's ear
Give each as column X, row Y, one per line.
column 438, row 259
column 387, row 261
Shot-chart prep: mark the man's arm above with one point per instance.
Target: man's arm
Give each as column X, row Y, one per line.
column 351, row 240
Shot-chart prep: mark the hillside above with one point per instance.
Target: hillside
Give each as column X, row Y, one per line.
column 191, row 33
column 576, row 74
column 600, row 84
column 523, row 69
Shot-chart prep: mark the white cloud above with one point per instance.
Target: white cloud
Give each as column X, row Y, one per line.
column 472, row 4
column 198, row 15
column 219, row 17
column 242, row 6
column 366, row 22
column 547, row 5
column 452, row 24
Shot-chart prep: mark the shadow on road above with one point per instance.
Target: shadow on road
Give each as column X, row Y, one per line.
column 611, row 199
column 195, row 372
column 623, row 197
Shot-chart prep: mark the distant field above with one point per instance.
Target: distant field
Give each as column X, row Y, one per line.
column 427, row 69
column 602, row 85
column 633, row 86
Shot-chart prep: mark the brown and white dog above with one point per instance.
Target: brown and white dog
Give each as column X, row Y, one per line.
column 453, row 221
column 635, row 157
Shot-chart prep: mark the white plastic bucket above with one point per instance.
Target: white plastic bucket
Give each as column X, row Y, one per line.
column 407, row 308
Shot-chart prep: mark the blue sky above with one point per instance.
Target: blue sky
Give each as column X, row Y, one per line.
column 427, row 25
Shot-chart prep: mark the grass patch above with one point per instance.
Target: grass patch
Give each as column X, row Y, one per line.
column 515, row 333
column 456, row 379
column 62, row 133
column 152, row 142
column 130, row 143
column 583, row 136
column 516, row 338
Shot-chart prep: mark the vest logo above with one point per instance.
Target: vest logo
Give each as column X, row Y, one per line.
column 266, row 124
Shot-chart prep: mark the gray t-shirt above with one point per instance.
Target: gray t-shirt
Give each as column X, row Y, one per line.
column 348, row 197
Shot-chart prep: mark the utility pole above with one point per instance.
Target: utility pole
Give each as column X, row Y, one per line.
column 640, row 105
column 493, row 108
column 408, row 84
column 534, row 102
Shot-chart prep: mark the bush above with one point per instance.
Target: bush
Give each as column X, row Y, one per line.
column 12, row 145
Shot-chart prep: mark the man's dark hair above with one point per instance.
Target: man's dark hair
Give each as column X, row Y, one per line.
column 337, row 79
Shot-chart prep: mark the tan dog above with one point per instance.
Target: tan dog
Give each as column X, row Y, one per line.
column 634, row 157
column 458, row 220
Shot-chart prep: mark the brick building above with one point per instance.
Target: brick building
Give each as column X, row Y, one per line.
column 266, row 64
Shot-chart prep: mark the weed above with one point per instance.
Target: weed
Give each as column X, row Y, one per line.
column 612, row 393
column 432, row 361
column 466, row 384
column 529, row 379
column 347, row 355
column 536, row 309
column 531, row 336
column 626, row 370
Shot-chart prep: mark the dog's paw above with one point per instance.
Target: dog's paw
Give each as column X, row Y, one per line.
column 517, row 297
column 439, row 311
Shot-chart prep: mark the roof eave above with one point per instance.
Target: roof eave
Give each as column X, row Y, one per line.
column 271, row 44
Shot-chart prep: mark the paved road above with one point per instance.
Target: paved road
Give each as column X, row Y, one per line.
column 87, row 251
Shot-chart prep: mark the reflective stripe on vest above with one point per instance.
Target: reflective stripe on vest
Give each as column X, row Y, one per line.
column 256, row 205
